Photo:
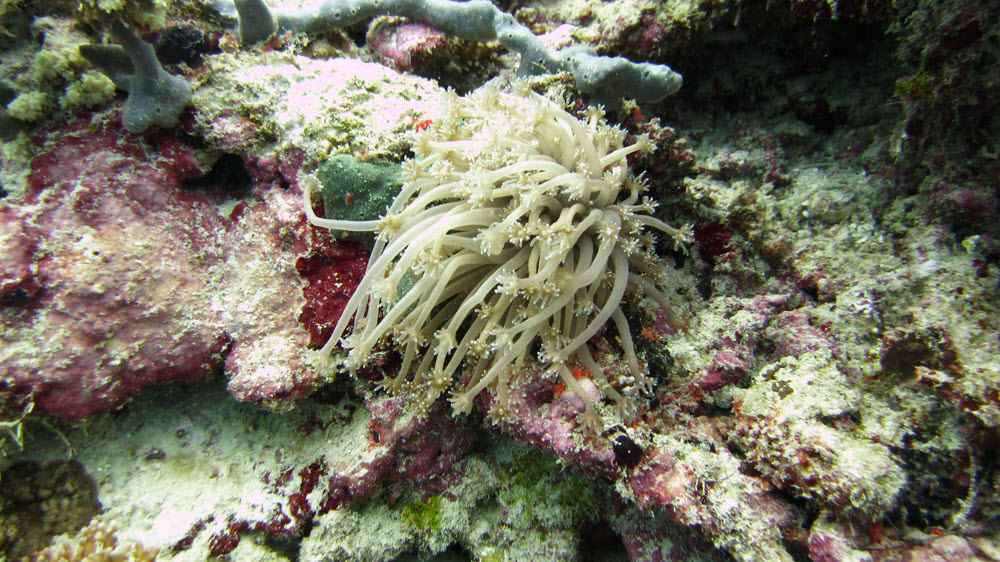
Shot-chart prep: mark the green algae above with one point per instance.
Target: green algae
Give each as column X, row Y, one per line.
column 355, row 190
column 423, row 515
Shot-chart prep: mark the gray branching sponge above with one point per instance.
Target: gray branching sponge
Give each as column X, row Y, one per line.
column 516, row 237
column 256, row 23
column 155, row 97
column 606, row 78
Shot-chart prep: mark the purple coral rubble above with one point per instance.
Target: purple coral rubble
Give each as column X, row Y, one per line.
column 545, row 417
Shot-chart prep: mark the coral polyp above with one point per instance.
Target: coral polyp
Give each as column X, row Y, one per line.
column 516, row 236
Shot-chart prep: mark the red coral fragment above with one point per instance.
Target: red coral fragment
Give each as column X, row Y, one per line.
column 332, row 271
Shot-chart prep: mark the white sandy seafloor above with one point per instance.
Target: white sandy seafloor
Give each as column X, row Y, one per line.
column 188, row 453
column 215, row 453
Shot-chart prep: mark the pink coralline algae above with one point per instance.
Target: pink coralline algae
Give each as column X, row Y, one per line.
column 419, row 452
column 267, row 361
column 703, row 489
column 117, row 276
column 406, row 46
column 105, row 241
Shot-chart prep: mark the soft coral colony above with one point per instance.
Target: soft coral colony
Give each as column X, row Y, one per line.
column 515, row 239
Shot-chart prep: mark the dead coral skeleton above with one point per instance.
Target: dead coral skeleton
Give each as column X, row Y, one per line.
column 513, row 241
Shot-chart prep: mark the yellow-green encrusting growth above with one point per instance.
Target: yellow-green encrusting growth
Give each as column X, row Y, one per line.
column 519, row 230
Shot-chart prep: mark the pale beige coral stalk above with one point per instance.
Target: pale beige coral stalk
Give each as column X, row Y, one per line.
column 512, row 243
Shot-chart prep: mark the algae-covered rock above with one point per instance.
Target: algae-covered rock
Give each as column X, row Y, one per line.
column 796, row 427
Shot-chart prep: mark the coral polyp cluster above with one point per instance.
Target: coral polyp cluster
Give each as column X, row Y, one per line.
column 515, row 238
column 98, row 542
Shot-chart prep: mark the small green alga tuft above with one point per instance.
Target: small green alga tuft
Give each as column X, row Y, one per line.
column 423, row 515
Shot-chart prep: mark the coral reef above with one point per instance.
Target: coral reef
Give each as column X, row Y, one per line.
column 832, row 394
